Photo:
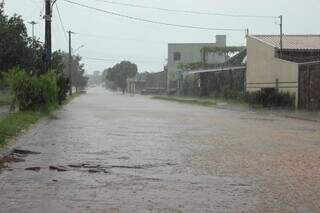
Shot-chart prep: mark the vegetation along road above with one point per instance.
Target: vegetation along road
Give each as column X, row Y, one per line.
column 108, row 152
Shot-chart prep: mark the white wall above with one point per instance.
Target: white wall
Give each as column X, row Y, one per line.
column 264, row 68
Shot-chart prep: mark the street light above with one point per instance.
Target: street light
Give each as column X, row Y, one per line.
column 32, row 23
column 76, row 50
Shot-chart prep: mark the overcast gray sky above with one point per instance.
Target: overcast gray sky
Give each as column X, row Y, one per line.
column 145, row 43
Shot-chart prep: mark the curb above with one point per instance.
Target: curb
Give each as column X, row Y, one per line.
column 300, row 118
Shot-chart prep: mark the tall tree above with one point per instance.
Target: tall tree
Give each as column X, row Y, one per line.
column 119, row 73
column 79, row 80
column 60, row 64
column 16, row 48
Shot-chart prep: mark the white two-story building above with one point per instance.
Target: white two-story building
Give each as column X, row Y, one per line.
column 185, row 53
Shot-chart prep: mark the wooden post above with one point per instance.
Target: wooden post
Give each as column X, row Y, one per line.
column 47, row 45
column 281, row 35
column 309, row 88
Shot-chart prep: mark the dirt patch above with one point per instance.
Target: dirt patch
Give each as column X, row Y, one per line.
column 6, row 160
column 36, row 168
column 25, row 152
column 16, row 156
column 85, row 167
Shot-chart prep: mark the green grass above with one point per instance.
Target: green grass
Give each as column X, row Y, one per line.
column 5, row 99
column 211, row 102
column 231, row 101
column 188, row 100
column 13, row 124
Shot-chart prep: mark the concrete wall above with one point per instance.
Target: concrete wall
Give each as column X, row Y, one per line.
column 263, row 68
column 135, row 86
column 191, row 52
column 224, row 84
column 156, row 80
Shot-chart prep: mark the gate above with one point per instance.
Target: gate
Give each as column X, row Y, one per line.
column 309, row 86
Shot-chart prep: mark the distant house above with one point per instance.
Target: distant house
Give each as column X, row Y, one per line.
column 294, row 69
column 148, row 83
column 135, row 86
column 184, row 53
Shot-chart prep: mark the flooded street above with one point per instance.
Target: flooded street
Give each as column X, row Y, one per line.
column 107, row 152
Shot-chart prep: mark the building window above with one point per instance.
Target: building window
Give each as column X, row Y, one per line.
column 176, row 56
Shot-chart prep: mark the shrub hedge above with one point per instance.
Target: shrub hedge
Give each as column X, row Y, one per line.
column 271, row 98
column 37, row 92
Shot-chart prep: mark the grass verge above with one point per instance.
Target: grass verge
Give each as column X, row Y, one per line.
column 188, row 100
column 13, row 124
column 5, row 99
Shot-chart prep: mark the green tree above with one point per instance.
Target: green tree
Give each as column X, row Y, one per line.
column 59, row 66
column 119, row 73
column 79, row 80
column 60, row 63
column 16, row 48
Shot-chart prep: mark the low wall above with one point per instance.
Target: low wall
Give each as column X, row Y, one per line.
column 156, row 83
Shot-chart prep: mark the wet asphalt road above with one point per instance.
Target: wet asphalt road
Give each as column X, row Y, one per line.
column 135, row 154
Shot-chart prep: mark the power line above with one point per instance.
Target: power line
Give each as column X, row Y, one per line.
column 61, row 23
column 115, row 60
column 119, row 38
column 185, row 11
column 154, row 22
column 36, row 4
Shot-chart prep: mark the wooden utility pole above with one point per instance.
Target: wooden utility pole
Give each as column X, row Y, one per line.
column 247, row 32
column 48, row 48
column 281, row 34
column 70, row 63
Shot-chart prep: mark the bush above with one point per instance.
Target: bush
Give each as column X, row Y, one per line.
column 33, row 92
column 271, row 98
column 190, row 86
column 63, row 86
column 3, row 85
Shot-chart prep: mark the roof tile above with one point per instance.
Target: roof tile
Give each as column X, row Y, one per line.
column 301, row 42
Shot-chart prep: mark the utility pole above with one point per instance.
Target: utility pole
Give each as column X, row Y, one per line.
column 281, row 34
column 33, row 23
column 48, row 48
column 70, row 62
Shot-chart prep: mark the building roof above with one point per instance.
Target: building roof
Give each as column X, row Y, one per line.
column 237, row 62
column 294, row 42
column 220, row 69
